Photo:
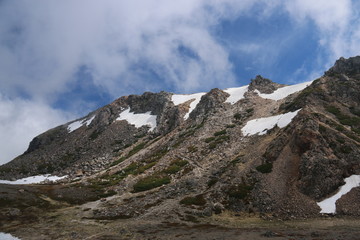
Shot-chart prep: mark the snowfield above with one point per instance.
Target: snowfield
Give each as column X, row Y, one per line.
column 33, row 180
column 139, row 119
column 75, row 125
column 7, row 236
column 328, row 205
column 262, row 125
column 236, row 94
column 178, row 99
column 284, row 91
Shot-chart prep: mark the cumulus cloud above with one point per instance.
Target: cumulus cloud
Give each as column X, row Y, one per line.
column 20, row 121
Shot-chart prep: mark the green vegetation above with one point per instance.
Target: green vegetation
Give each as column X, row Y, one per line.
column 346, row 149
column 265, row 168
column 157, row 155
column 250, row 110
column 151, row 182
column 218, row 140
column 236, row 160
column 145, row 167
column 222, row 132
column 230, row 126
column 322, row 128
column 212, row 145
column 192, row 149
column 209, row 139
column 136, row 149
column 187, row 133
column 212, row 181
column 237, row 116
column 95, row 134
column 240, row 191
column 120, row 160
column 197, row 200
column 343, row 118
column 175, row 166
column 355, row 111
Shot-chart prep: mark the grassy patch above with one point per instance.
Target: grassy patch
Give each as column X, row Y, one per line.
column 151, row 182
column 236, row 160
column 343, row 118
column 212, row 182
column 197, row 200
column 212, row 145
column 346, row 149
column 250, row 110
column 95, row 134
column 237, row 116
column 120, row 160
column 192, row 149
column 136, row 149
column 230, row 125
column 265, row 168
column 218, row 140
column 209, row 139
column 222, row 132
column 240, row 191
column 175, row 166
column 322, row 129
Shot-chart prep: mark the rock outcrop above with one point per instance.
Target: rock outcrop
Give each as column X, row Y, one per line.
column 204, row 164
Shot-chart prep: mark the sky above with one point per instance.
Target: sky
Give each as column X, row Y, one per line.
column 60, row 60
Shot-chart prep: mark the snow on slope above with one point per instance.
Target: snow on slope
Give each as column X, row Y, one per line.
column 33, row 179
column 261, row 125
column 138, row 119
column 7, row 236
column 181, row 98
column 284, row 91
column 75, row 125
column 235, row 94
column 328, row 205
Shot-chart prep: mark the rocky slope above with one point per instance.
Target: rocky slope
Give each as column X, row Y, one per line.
column 264, row 148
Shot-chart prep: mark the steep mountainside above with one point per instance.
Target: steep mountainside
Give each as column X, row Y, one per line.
column 265, row 148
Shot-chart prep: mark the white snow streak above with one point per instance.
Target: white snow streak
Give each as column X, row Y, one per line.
column 75, row 125
column 7, row 236
column 138, row 119
column 33, row 179
column 284, row 91
column 235, row 94
column 328, row 205
column 181, row 98
column 261, row 125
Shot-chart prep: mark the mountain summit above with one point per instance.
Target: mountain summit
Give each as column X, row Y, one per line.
column 266, row 148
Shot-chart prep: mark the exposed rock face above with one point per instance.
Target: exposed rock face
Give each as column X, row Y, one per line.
column 263, row 85
column 205, row 164
column 209, row 103
column 350, row 66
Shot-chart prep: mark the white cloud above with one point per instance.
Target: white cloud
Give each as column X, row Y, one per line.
column 20, row 121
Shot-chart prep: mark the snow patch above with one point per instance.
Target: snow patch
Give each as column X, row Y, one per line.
column 75, row 125
column 236, row 94
column 7, row 236
column 33, row 179
column 284, row 91
column 328, row 205
column 138, row 119
column 261, row 125
column 181, row 98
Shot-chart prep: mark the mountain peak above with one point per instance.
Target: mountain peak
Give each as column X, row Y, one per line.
column 263, row 85
column 349, row 66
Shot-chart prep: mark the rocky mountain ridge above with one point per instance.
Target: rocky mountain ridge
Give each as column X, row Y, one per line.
column 264, row 148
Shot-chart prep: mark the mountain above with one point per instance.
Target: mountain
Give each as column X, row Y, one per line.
column 266, row 148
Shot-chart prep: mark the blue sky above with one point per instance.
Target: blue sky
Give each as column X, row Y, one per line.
column 60, row 60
